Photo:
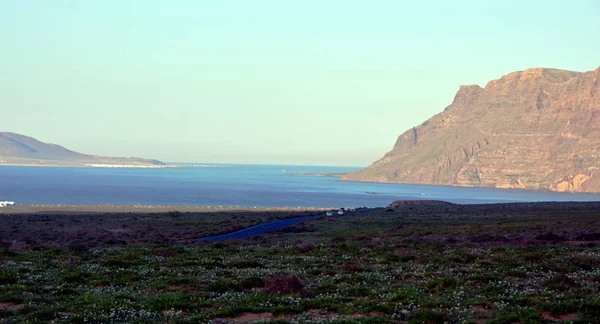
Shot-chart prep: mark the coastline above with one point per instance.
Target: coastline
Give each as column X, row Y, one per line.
column 110, row 208
column 55, row 165
column 157, row 209
column 544, row 190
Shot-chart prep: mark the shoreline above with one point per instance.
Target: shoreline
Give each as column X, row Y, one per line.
column 155, row 209
column 541, row 190
column 95, row 166
column 110, row 208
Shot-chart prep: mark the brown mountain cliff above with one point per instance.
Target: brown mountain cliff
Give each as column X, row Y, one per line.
column 533, row 129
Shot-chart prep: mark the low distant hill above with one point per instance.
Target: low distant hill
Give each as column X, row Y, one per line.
column 532, row 129
column 24, row 150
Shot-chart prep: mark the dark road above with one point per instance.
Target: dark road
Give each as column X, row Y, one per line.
column 260, row 229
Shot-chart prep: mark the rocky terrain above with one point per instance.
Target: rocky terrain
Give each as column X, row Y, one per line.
column 17, row 149
column 532, row 129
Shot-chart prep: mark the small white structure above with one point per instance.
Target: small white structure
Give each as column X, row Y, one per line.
column 341, row 212
column 6, row 203
column 329, row 213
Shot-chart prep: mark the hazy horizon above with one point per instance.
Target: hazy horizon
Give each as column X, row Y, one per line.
column 306, row 83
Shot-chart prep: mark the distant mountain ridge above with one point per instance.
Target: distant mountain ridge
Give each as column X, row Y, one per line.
column 21, row 149
column 532, row 129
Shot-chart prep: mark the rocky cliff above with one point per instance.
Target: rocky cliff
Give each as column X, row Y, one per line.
column 533, row 129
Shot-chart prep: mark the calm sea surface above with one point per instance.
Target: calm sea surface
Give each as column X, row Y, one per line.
column 233, row 185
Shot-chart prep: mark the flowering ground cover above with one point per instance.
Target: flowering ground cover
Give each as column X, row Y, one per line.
column 502, row 264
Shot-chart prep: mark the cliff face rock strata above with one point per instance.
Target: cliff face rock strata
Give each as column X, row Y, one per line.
column 533, row 129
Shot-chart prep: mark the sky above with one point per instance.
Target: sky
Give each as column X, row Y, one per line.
column 265, row 81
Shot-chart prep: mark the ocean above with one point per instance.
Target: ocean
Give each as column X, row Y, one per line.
column 234, row 185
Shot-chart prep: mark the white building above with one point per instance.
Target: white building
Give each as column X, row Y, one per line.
column 6, row 203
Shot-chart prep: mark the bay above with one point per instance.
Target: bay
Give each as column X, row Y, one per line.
column 235, row 185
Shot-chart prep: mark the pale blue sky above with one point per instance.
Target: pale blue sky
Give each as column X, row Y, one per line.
column 303, row 82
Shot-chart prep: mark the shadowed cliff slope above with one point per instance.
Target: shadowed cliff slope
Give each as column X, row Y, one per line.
column 532, row 129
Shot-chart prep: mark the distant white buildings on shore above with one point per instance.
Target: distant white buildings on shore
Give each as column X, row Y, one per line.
column 6, row 203
column 125, row 166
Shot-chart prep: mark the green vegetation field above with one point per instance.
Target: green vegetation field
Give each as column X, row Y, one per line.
column 503, row 264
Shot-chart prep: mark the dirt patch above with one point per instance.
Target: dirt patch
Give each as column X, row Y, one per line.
column 565, row 317
column 246, row 318
column 404, row 251
column 371, row 314
column 278, row 284
column 480, row 310
column 11, row 307
column 322, row 314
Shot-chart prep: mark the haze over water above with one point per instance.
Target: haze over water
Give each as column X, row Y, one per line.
column 234, row 185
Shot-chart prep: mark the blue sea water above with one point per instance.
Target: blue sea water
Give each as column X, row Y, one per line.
column 233, row 185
